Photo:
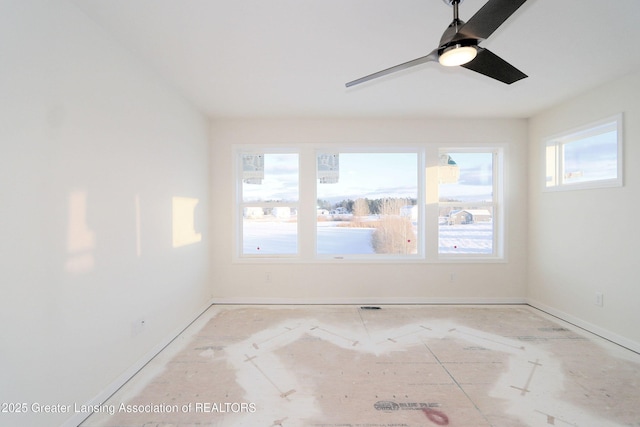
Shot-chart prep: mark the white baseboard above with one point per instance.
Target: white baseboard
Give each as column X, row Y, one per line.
column 366, row 300
column 105, row 394
column 587, row 326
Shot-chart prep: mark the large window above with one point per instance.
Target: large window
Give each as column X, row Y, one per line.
column 367, row 203
column 587, row 157
column 467, row 203
column 353, row 203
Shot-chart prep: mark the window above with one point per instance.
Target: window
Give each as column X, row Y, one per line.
column 307, row 203
column 587, row 157
column 367, row 204
column 468, row 203
column 268, row 183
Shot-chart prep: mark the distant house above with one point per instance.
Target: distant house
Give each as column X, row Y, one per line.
column 253, row 212
column 339, row 211
column 469, row 216
column 281, row 212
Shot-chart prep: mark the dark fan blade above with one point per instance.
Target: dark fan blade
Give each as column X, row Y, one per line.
column 488, row 19
column 493, row 66
column 433, row 56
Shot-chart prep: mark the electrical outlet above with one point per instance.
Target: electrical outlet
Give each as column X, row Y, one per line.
column 267, row 277
column 599, row 299
column 452, row 277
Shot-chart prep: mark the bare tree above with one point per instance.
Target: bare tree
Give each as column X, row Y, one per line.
column 361, row 207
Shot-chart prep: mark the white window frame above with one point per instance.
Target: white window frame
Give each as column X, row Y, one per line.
column 497, row 204
column 427, row 200
column 240, row 204
column 420, row 202
column 557, row 141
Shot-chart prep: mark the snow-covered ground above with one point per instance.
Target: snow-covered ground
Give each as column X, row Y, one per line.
column 332, row 239
column 466, row 238
column 275, row 237
column 270, row 237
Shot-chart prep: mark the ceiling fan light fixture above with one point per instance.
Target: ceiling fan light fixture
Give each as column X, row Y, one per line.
column 457, row 55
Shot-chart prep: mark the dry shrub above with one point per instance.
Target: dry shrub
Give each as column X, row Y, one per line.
column 394, row 233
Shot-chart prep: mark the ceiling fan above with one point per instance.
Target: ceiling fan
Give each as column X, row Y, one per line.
column 459, row 44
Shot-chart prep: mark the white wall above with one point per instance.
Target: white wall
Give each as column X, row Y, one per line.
column 352, row 282
column 583, row 242
column 93, row 150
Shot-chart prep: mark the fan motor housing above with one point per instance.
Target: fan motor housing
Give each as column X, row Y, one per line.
column 449, row 36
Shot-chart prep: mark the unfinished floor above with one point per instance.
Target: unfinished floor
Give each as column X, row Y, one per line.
column 409, row 366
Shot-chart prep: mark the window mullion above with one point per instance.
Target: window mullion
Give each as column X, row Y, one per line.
column 307, row 204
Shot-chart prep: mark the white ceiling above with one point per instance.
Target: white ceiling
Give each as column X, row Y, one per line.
column 291, row 58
